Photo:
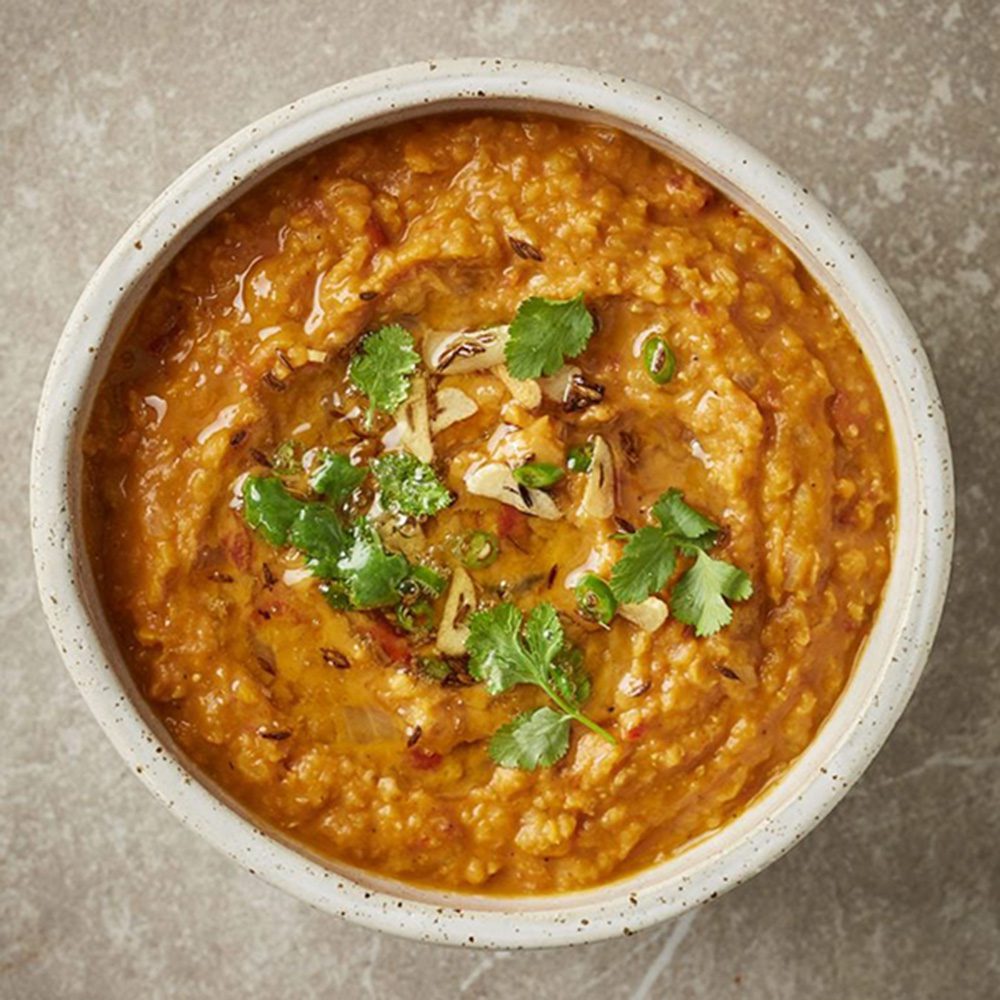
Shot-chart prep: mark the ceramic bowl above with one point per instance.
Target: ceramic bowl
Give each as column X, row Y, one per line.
column 890, row 663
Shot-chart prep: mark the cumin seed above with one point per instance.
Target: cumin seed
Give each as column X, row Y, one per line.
column 630, row 447
column 524, row 249
column 334, row 658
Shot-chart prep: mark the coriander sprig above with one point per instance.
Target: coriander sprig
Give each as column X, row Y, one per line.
column 650, row 558
column 408, row 486
column 350, row 558
column 382, row 369
column 506, row 650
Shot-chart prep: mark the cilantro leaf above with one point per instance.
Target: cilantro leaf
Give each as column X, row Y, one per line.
column 650, row 557
column 544, row 636
column 351, row 560
column 334, row 477
column 570, row 678
column 496, row 654
column 699, row 599
column 269, row 508
column 504, row 650
column 318, row 533
column 645, row 566
column 650, row 554
column 382, row 367
column 683, row 521
column 544, row 332
column 531, row 739
column 371, row 576
column 409, row 486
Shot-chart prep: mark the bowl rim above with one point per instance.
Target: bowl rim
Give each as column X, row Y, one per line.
column 886, row 672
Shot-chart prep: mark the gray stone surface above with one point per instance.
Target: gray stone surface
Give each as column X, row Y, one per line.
column 889, row 111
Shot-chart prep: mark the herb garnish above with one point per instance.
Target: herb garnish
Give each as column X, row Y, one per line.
column 579, row 457
column 285, row 459
column 357, row 571
column 334, row 477
column 544, row 332
column 382, row 367
column 650, row 557
column 371, row 577
column 699, row 599
column 409, row 486
column 505, row 650
column 269, row 508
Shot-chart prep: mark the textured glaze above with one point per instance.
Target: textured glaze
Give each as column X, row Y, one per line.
column 888, row 669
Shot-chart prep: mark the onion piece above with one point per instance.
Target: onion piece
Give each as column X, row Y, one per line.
column 364, row 724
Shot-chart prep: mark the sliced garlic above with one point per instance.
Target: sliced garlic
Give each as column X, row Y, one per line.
column 453, row 406
column 465, row 350
column 649, row 614
column 599, row 492
column 413, row 424
column 402, row 535
column 496, row 481
column 461, row 600
column 571, row 389
column 554, row 386
column 526, row 392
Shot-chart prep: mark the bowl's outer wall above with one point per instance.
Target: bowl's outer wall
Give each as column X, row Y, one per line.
column 890, row 663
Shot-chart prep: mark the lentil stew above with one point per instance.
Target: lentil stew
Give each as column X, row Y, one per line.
column 490, row 503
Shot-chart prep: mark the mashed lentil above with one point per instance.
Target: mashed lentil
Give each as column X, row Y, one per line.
column 319, row 720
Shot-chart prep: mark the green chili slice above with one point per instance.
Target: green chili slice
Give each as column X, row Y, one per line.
column 579, row 458
column 415, row 617
column 595, row 599
column 538, row 475
column 659, row 360
column 434, row 667
column 429, row 579
column 478, row 549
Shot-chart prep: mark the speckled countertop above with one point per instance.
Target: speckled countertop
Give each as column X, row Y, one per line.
column 889, row 112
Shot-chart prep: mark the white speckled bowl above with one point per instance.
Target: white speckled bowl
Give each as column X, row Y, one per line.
column 891, row 661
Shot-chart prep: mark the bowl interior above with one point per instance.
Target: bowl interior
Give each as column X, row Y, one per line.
column 888, row 665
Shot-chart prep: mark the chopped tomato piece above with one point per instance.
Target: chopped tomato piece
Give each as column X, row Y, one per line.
column 239, row 545
column 395, row 647
column 511, row 523
column 425, row 760
column 375, row 233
